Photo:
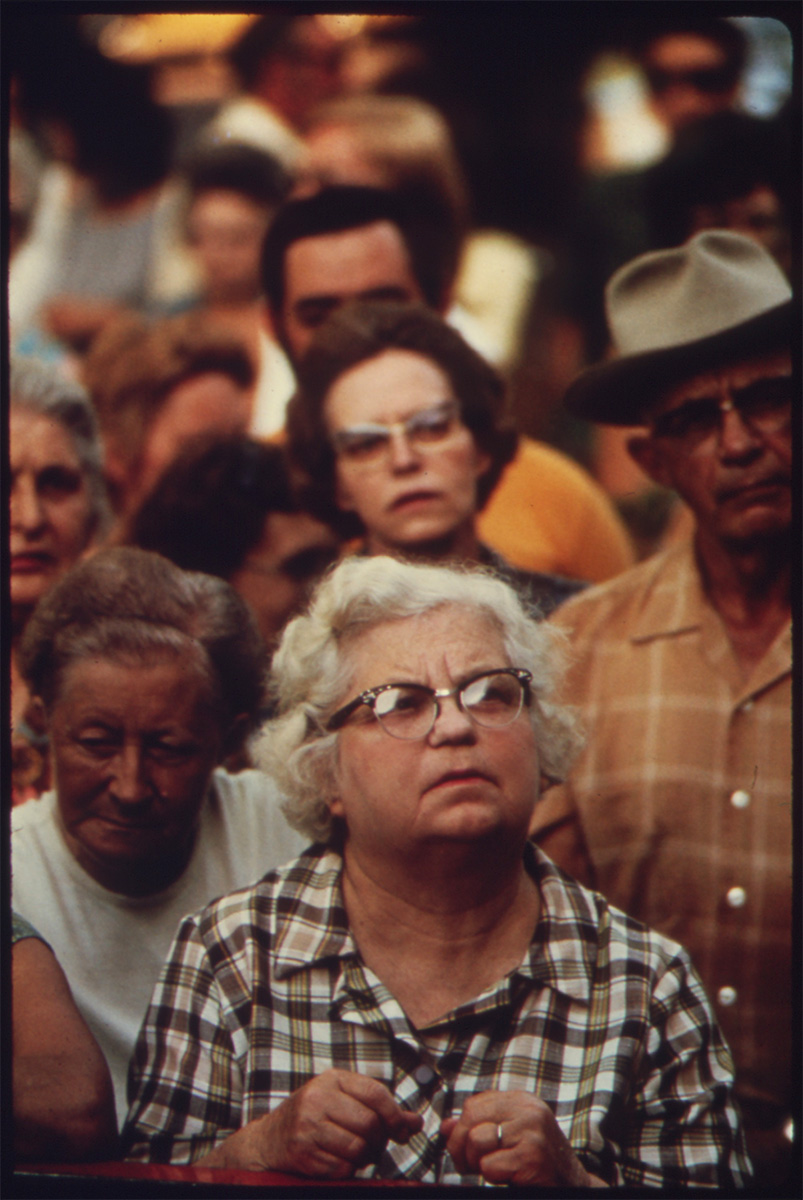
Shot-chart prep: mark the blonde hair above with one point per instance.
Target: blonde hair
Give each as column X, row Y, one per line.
column 407, row 140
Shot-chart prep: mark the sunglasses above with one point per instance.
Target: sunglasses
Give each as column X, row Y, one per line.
column 708, row 80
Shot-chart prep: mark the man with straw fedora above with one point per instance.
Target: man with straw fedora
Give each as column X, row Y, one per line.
column 679, row 810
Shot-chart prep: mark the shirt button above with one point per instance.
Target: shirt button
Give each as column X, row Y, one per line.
column 740, row 799
column 727, row 996
column 423, row 1075
column 736, row 897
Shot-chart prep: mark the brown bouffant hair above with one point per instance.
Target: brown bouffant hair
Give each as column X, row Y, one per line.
column 359, row 332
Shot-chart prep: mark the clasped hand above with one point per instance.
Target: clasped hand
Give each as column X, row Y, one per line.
column 341, row 1121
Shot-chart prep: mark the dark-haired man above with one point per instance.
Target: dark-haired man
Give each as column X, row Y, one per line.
column 679, row 810
column 353, row 243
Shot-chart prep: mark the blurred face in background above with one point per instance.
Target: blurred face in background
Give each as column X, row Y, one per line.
column 51, row 515
column 278, row 572
column 208, row 403
column 689, row 77
column 305, row 72
column 225, row 230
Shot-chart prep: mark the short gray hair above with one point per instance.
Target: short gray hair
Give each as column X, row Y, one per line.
column 311, row 670
column 42, row 390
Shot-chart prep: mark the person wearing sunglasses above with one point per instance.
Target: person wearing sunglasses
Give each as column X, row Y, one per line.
column 399, row 434
column 693, row 66
column 421, row 995
column 681, row 810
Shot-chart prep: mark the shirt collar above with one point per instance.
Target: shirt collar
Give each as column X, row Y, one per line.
column 674, row 599
column 312, row 925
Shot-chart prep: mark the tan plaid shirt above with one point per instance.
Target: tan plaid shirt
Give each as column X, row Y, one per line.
column 683, row 795
column 603, row 1019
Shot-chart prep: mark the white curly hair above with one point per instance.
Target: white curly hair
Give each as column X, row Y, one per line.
column 311, row 670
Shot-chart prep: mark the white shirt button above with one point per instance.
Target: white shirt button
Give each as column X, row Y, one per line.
column 727, row 996
column 423, row 1075
column 740, row 799
column 736, row 897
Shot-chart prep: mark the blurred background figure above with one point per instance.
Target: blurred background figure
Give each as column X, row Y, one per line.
column 58, row 511
column 227, row 508
column 156, row 387
column 693, row 66
column 105, row 232
column 404, row 144
column 728, row 171
column 286, row 63
column 234, row 192
column 63, row 1097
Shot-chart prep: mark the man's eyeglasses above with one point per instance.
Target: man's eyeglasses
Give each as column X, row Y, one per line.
column 425, row 430
column 764, row 406
column 409, row 710
column 711, row 81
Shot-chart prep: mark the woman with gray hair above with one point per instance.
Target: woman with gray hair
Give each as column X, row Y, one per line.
column 422, row 994
column 148, row 678
column 58, row 509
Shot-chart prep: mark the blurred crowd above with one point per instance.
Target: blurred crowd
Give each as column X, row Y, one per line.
column 232, row 240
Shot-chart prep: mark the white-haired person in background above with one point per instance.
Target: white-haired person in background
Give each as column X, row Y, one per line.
column 422, row 995
column 58, row 513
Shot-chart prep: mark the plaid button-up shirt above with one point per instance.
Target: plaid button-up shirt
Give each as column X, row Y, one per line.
column 683, row 797
column 603, row 1020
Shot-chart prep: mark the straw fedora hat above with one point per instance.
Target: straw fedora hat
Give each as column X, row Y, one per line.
column 674, row 313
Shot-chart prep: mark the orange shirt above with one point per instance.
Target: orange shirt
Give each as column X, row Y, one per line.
column 548, row 514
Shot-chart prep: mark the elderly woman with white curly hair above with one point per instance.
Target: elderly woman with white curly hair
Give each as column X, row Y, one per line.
column 423, row 994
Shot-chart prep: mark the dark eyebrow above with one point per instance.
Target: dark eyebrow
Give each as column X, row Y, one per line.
column 762, row 382
column 390, row 292
column 316, row 304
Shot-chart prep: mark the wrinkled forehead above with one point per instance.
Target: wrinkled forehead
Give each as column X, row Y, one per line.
column 712, row 383
column 464, row 636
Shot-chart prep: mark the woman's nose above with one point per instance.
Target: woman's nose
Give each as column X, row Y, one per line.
column 26, row 509
column 130, row 783
column 402, row 454
column 451, row 723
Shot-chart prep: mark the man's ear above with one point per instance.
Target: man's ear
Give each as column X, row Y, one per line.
column 644, row 451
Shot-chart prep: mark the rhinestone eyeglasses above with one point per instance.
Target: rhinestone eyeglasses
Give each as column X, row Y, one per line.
column 368, row 443
column 409, row 710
